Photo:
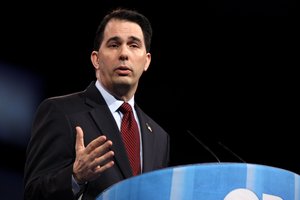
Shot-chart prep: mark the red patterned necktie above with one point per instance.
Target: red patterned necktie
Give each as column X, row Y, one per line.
column 131, row 137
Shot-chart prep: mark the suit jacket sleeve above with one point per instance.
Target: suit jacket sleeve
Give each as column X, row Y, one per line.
column 52, row 140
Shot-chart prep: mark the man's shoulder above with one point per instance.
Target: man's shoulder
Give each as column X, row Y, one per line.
column 64, row 102
column 74, row 97
column 63, row 98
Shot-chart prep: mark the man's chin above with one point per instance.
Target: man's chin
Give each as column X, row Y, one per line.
column 125, row 84
column 123, row 81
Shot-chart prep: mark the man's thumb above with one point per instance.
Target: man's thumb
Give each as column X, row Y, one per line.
column 79, row 139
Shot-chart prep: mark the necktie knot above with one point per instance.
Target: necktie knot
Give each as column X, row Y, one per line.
column 125, row 108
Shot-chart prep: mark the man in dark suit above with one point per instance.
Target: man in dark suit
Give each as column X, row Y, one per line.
column 76, row 148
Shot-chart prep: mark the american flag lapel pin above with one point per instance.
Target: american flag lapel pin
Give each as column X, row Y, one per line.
column 149, row 127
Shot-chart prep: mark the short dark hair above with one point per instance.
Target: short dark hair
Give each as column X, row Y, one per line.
column 128, row 15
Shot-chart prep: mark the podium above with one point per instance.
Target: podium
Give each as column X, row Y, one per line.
column 209, row 181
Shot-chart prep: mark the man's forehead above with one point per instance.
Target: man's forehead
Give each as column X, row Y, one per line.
column 123, row 29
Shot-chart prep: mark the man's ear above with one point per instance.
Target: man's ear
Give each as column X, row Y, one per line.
column 95, row 59
column 148, row 61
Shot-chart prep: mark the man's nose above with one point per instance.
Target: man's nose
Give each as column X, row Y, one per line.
column 124, row 53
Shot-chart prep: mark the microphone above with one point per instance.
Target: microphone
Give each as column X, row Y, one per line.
column 220, row 144
column 203, row 145
column 231, row 152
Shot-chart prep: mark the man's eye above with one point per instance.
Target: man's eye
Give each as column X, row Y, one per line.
column 113, row 45
column 134, row 45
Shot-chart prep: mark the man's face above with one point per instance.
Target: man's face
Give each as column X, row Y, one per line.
column 122, row 56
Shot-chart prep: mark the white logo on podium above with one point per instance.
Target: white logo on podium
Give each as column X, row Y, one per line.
column 245, row 194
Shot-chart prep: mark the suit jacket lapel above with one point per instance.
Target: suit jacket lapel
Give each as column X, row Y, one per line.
column 147, row 140
column 107, row 124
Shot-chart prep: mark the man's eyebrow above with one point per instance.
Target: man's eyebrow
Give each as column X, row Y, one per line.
column 115, row 38
column 118, row 39
column 133, row 38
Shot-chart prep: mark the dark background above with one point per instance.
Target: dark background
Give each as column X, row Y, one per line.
column 220, row 70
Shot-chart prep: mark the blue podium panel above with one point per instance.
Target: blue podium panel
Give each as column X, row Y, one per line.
column 211, row 181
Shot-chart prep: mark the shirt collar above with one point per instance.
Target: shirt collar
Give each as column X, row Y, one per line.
column 111, row 101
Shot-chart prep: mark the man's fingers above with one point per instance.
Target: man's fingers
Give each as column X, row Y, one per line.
column 107, row 157
column 96, row 143
column 102, row 149
column 79, row 139
column 100, row 169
